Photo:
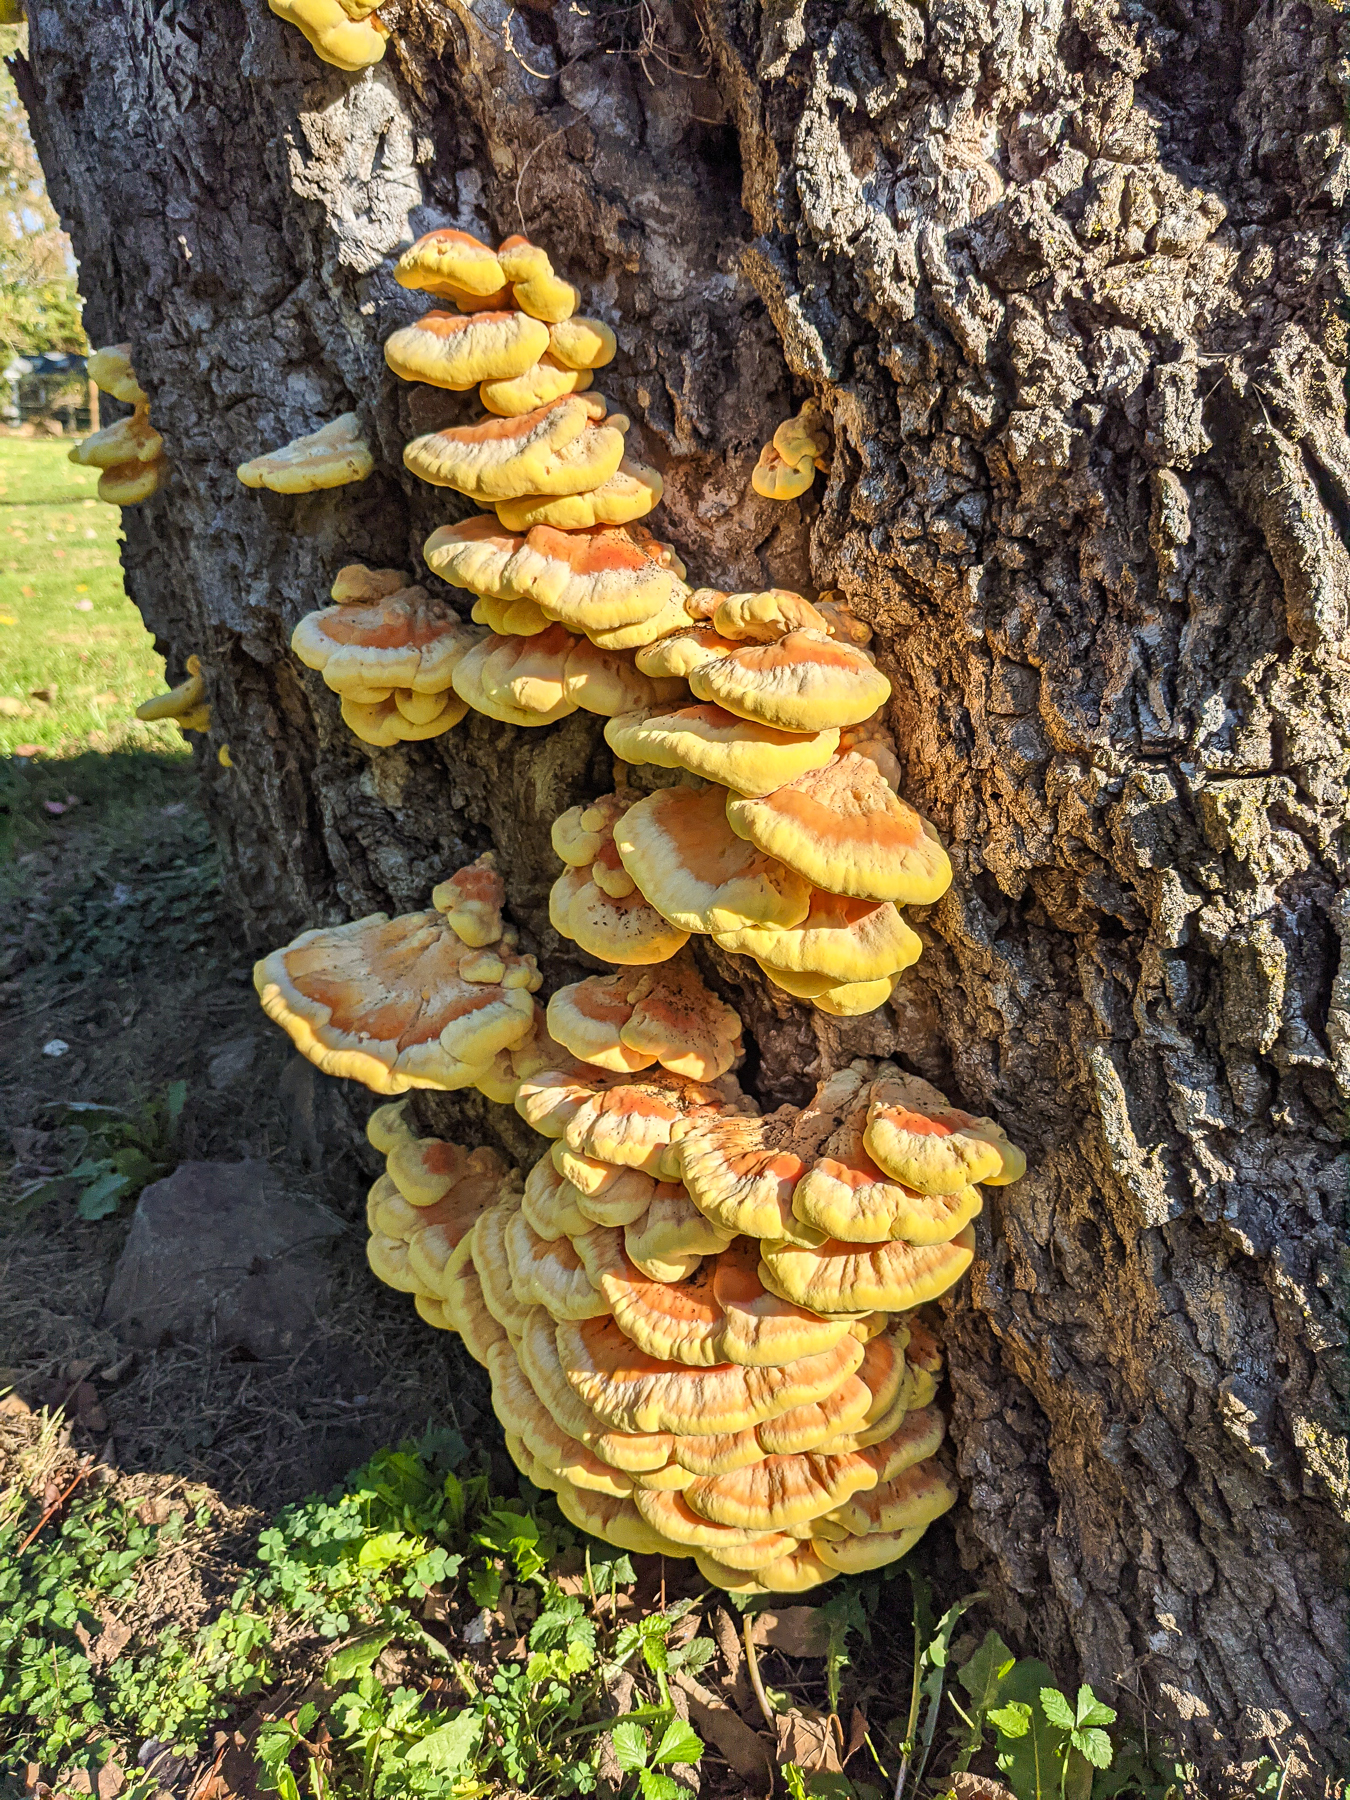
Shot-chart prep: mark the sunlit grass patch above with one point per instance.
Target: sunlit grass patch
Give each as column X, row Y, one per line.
column 75, row 658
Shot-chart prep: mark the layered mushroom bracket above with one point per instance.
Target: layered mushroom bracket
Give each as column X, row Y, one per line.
column 700, row 1323
column 129, row 452
column 390, row 650
column 349, row 34
column 185, row 704
column 437, row 999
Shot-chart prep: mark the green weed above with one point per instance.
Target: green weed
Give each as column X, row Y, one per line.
column 113, row 1154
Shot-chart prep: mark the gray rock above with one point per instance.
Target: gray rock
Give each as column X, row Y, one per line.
column 229, row 1063
column 216, row 1253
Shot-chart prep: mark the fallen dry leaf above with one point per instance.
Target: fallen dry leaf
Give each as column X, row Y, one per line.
column 812, row 1740
column 796, row 1631
column 716, row 1722
column 111, row 1641
column 977, row 1787
column 857, row 1732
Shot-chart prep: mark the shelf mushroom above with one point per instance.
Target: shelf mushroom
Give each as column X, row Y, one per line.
column 346, row 33
column 390, row 650
column 787, row 466
column 333, row 456
column 185, row 704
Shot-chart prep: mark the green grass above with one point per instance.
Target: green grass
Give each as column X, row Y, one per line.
column 67, row 630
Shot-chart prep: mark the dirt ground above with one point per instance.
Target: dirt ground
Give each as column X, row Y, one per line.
column 111, row 942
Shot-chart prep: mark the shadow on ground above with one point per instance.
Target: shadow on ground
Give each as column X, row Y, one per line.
column 114, row 944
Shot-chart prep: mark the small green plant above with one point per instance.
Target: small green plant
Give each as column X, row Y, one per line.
column 644, row 1754
column 113, row 1154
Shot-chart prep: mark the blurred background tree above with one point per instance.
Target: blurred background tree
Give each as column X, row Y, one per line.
column 39, row 298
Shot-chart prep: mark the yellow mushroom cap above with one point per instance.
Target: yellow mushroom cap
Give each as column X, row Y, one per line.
column 127, row 484
column 713, row 743
column 796, row 1572
column 936, row 1148
column 471, row 901
column 580, row 343
column 834, row 1276
column 742, row 1172
column 847, row 1196
column 545, row 380
column 679, row 653
column 550, row 1203
column 404, row 639
column 457, row 351
column 606, row 1194
column 549, row 1272
column 615, row 1522
column 672, row 1237
column 766, row 616
column 635, row 1392
column 348, row 39
column 428, row 1171
column 493, row 1264
column 130, row 441
column 402, row 716
column 673, row 1518
column 803, row 436
column 110, row 369
column 628, row 493
column 536, row 288
column 840, row 939
column 775, row 479
column 622, row 929
column 802, row 681
column 779, row 1492
column 844, row 830
column 388, row 1125
column 627, row 1022
column 598, row 579
column 912, row 1498
column 625, row 1120
column 561, row 448
column 451, row 263
column 720, row 1313
column 396, row 1003
column 678, row 846
column 844, row 1000
column 523, row 1415
column 331, row 457
column 463, row 1305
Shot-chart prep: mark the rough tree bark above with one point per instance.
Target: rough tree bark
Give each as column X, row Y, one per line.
column 1067, row 282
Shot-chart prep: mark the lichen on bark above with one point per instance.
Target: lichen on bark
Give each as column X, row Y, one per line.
column 1068, row 286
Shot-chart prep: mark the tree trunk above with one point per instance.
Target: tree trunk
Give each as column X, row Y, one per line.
column 1067, row 285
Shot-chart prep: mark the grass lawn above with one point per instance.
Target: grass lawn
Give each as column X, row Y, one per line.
column 75, row 658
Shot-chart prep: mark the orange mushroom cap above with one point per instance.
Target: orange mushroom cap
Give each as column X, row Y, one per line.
column 457, row 351
column 833, row 1276
column 626, row 1022
column 843, row 829
column 932, row 1146
column 712, row 743
column 561, row 448
column 403, row 639
column 678, row 847
column 397, row 1003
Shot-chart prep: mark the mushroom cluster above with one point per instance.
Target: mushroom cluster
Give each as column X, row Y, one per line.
column 700, row 1323
column 437, row 999
column 130, row 452
column 787, row 841
column 347, row 33
column 390, row 650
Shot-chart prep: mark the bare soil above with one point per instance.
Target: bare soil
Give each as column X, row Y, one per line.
column 146, row 993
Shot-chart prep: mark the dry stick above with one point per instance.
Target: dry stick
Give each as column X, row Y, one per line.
column 86, row 1468
column 752, row 1663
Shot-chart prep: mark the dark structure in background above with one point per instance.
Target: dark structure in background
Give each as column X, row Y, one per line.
column 1069, row 288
